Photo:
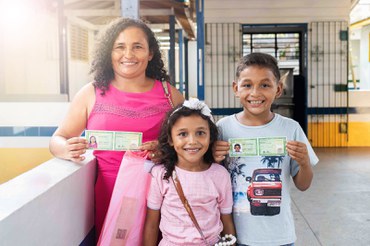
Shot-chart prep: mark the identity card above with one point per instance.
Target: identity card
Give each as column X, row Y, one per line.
column 243, row 147
column 263, row 146
column 113, row 140
column 272, row 146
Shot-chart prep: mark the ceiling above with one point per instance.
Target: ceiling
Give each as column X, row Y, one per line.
column 360, row 11
column 96, row 13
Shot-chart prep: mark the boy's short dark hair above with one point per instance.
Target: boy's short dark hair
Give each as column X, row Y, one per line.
column 261, row 60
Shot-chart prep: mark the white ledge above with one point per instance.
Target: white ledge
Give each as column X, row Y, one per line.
column 52, row 204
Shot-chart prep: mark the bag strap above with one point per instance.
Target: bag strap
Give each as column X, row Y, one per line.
column 167, row 93
column 186, row 204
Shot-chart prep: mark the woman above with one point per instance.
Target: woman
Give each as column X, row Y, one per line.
column 92, row 143
column 127, row 95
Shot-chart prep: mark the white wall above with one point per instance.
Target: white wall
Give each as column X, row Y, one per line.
column 365, row 58
column 29, row 58
column 78, row 76
column 192, row 56
column 52, row 204
column 272, row 11
column 359, row 99
column 30, row 114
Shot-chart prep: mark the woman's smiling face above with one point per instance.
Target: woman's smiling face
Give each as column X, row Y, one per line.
column 130, row 53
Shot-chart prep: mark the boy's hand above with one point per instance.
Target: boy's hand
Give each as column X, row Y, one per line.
column 220, row 150
column 151, row 147
column 298, row 152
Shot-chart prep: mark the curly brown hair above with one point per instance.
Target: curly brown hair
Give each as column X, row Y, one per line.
column 167, row 154
column 101, row 66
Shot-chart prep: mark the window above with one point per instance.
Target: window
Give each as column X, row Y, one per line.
column 285, row 47
column 79, row 43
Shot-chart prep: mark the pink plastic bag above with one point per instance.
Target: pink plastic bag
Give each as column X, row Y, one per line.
column 124, row 222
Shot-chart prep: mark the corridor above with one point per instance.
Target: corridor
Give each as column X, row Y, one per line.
column 336, row 208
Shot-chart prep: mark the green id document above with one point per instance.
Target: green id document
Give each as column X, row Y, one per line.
column 266, row 146
column 272, row 146
column 113, row 140
column 241, row 147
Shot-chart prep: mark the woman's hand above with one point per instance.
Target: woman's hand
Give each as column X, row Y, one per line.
column 220, row 150
column 64, row 143
column 75, row 148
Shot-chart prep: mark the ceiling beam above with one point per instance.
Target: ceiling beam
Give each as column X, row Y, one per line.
column 66, row 2
column 117, row 4
column 185, row 22
column 115, row 12
column 99, row 0
column 361, row 23
column 82, row 23
column 179, row 10
column 154, row 12
column 92, row 12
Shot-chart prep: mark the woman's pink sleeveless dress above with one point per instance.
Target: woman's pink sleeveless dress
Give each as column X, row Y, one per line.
column 122, row 111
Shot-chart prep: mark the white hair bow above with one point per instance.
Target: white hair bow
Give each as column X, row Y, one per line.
column 194, row 103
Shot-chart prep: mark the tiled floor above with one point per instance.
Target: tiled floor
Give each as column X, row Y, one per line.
column 336, row 208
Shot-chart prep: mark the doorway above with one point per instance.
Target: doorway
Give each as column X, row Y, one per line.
column 287, row 43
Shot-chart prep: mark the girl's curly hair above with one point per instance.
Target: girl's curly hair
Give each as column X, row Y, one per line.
column 101, row 66
column 167, row 154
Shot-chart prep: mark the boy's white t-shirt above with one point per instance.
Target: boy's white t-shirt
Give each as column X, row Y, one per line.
column 272, row 222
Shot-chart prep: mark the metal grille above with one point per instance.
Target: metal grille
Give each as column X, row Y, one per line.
column 283, row 46
column 327, row 79
column 270, row 192
column 223, row 50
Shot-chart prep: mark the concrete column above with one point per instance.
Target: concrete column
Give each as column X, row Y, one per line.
column 130, row 8
column 171, row 52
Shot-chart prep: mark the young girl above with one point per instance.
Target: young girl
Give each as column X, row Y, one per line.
column 185, row 147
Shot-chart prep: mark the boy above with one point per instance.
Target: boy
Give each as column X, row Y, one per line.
column 262, row 212
column 237, row 147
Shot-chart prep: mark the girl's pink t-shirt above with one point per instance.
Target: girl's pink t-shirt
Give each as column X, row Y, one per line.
column 209, row 194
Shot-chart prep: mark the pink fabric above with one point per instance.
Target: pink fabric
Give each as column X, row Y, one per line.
column 124, row 222
column 93, row 145
column 122, row 111
column 209, row 194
